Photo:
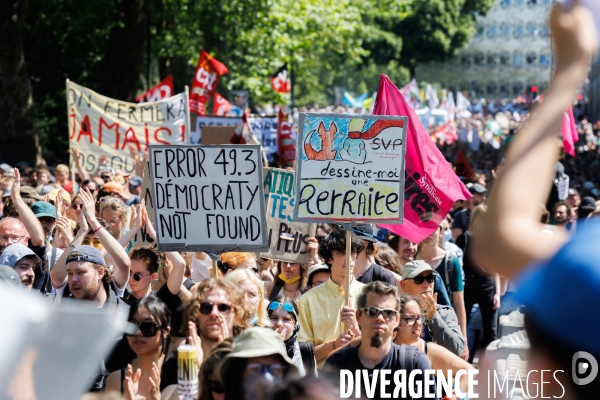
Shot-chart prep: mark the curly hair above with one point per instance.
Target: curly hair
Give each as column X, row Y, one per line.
column 149, row 256
column 242, row 312
column 404, row 299
column 336, row 241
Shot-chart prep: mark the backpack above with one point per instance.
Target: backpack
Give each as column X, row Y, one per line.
column 449, row 272
column 308, row 358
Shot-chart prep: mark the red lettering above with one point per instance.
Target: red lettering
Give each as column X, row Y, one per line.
column 72, row 115
column 114, row 126
column 85, row 129
column 130, row 138
column 156, row 135
column 183, row 133
column 146, row 134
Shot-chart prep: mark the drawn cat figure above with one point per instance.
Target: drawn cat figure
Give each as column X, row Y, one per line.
column 326, row 136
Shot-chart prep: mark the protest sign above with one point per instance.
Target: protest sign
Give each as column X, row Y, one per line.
column 141, row 238
column 217, row 134
column 208, row 198
column 202, row 121
column 101, row 125
column 350, row 168
column 265, row 130
column 161, row 91
column 287, row 240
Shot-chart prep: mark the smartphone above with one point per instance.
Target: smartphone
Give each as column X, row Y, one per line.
column 592, row 5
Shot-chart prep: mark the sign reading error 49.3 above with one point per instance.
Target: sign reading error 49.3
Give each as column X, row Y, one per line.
column 192, row 162
column 232, row 155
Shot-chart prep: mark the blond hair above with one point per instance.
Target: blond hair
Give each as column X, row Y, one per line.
column 61, row 168
column 117, row 205
column 240, row 275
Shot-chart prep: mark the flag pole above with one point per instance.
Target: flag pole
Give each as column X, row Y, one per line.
column 291, row 89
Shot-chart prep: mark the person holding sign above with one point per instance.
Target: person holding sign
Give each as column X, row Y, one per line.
column 322, row 309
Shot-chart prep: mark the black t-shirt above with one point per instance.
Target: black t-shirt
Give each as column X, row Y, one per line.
column 163, row 294
column 385, row 276
column 177, row 311
column 462, row 220
column 396, row 359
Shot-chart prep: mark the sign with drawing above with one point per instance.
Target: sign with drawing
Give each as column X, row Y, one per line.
column 350, row 168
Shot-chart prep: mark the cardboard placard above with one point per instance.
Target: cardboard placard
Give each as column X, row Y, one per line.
column 141, row 238
column 217, row 134
column 101, row 125
column 199, row 122
column 350, row 168
column 287, row 240
column 208, row 198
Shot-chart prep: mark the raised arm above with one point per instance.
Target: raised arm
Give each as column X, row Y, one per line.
column 137, row 217
column 58, row 274
column 112, row 246
column 511, row 235
column 80, row 170
column 27, row 217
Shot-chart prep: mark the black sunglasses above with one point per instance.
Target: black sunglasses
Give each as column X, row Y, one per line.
column 216, row 387
column 373, row 312
column 147, row 328
column 136, row 276
column 206, row 308
column 420, row 279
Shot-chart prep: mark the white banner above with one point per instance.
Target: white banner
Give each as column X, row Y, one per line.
column 208, row 198
column 202, row 121
column 101, row 125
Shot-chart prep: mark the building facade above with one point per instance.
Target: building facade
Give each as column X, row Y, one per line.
column 509, row 53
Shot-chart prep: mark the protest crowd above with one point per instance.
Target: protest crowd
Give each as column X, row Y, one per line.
column 358, row 295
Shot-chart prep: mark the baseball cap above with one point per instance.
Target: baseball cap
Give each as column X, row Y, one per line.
column 113, row 187
column 46, row 189
column 44, row 209
column 414, row 268
column 573, row 192
column 588, row 203
column 256, row 342
column 86, row 253
column 5, row 167
column 477, row 188
column 135, row 181
column 316, row 268
column 560, row 290
column 66, row 196
column 27, row 192
column 13, row 253
column 364, row 232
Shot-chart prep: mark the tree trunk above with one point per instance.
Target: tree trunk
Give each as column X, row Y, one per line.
column 125, row 51
column 18, row 132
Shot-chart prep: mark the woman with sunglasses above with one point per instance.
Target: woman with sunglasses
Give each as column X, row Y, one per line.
column 412, row 319
column 253, row 287
column 75, row 209
column 283, row 314
column 150, row 342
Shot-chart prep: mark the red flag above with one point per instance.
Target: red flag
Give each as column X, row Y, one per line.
column 243, row 133
column 568, row 129
column 280, row 80
column 161, row 91
column 463, row 168
column 205, row 81
column 446, row 133
column 220, row 105
column 430, row 186
column 286, row 140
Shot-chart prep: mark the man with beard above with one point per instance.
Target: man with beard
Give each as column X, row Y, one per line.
column 562, row 214
column 378, row 316
column 462, row 219
column 26, row 263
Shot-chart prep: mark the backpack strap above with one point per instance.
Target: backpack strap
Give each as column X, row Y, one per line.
column 276, row 289
column 377, row 275
column 308, row 358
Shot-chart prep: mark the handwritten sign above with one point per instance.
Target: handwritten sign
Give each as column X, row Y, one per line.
column 101, row 125
column 142, row 238
column 350, row 168
column 208, row 198
column 287, row 240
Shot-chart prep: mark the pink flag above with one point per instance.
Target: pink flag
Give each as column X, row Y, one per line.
column 568, row 129
column 430, row 186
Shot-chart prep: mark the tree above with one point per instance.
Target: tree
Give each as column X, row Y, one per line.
column 18, row 134
column 432, row 30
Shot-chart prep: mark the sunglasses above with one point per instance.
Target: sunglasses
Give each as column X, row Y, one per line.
column 207, row 308
column 373, row 312
column 77, row 206
column 420, row 279
column 216, row 387
column 137, row 276
column 286, row 306
column 147, row 328
column 97, row 243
